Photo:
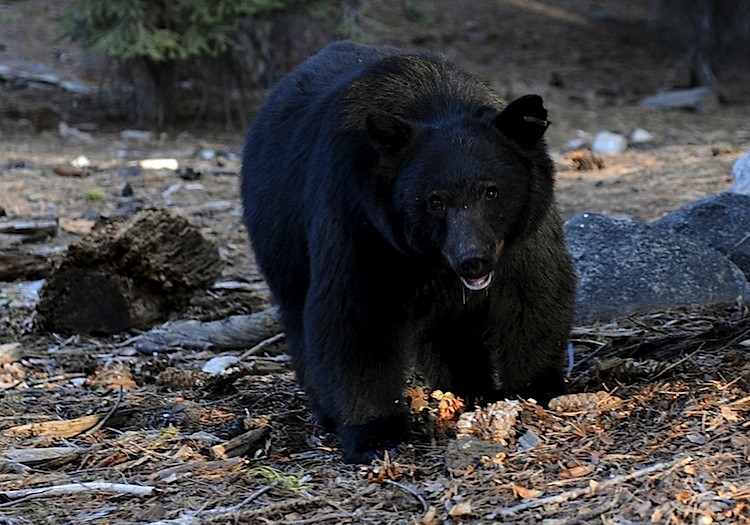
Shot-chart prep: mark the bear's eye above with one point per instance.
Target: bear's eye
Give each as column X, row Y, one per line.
column 490, row 193
column 436, row 202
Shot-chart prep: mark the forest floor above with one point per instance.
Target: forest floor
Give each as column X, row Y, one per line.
column 669, row 442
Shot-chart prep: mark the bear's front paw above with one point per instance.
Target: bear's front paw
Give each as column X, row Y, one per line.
column 368, row 441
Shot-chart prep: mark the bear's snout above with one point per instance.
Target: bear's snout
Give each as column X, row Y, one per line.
column 474, row 264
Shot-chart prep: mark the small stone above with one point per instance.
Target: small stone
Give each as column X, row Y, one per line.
column 640, row 136
column 71, row 133
column 126, row 190
column 159, row 164
column 741, row 175
column 582, row 140
column 81, row 161
column 608, row 142
column 136, row 134
column 528, row 440
column 217, row 365
column 701, row 98
column 207, row 154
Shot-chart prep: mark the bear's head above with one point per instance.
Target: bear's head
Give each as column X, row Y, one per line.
column 465, row 188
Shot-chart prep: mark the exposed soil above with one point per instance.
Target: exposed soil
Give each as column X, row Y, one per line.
column 670, row 445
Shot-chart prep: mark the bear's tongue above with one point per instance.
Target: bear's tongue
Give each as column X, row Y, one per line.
column 480, row 283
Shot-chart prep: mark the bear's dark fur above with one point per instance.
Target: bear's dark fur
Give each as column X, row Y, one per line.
column 404, row 218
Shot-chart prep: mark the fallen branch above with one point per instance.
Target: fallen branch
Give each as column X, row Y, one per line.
column 16, row 263
column 585, row 491
column 260, row 346
column 32, row 226
column 238, row 445
column 71, row 488
column 410, row 491
column 218, row 512
column 54, row 429
column 234, row 332
column 103, row 420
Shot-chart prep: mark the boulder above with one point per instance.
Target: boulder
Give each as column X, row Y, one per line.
column 626, row 267
column 721, row 221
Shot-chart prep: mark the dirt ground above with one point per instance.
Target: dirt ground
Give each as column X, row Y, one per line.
column 668, row 443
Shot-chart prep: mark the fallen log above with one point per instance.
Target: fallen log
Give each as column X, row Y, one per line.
column 127, row 275
column 16, row 264
column 46, row 227
column 234, row 332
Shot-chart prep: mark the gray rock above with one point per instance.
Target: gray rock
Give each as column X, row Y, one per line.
column 626, row 267
column 741, row 175
column 528, row 440
column 30, row 71
column 701, row 98
column 720, row 221
column 136, row 134
column 608, row 142
column 583, row 140
column 640, row 136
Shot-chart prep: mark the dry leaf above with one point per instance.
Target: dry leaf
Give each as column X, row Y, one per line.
column 449, row 405
column 430, row 517
column 524, row 493
column 460, row 510
column 577, row 472
column 386, row 468
column 729, row 414
column 584, row 160
column 78, row 226
column 111, row 379
column 419, row 399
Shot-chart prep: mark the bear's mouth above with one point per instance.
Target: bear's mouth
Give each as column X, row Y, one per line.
column 480, row 283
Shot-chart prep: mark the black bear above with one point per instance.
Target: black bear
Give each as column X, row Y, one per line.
column 404, row 217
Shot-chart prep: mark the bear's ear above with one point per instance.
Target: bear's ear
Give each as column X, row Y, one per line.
column 524, row 120
column 388, row 133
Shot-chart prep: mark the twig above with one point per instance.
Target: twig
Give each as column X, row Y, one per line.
column 223, row 512
column 585, row 491
column 338, row 516
column 409, row 490
column 678, row 363
column 596, row 512
column 238, row 445
column 260, row 346
column 103, row 420
column 70, row 488
column 53, row 379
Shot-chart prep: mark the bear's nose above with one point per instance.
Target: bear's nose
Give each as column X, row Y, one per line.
column 473, row 265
